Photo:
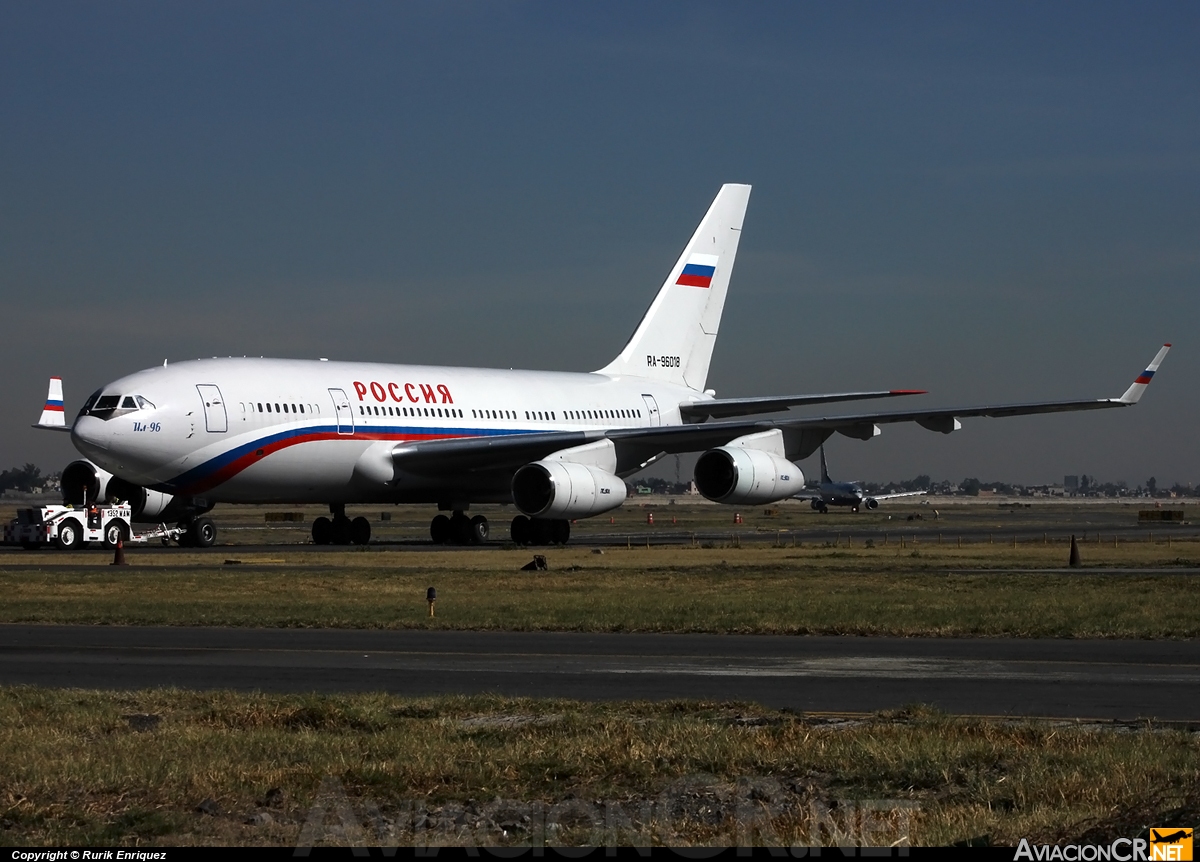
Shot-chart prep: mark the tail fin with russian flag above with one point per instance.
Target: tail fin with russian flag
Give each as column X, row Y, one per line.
column 53, row 416
column 674, row 341
column 1135, row 390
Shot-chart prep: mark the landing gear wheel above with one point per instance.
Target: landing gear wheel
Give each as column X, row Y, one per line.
column 540, row 531
column 322, row 531
column 202, row 533
column 70, row 535
column 116, row 531
column 460, row 529
column 560, row 531
column 342, row 531
column 521, row 531
column 360, row 531
column 439, row 530
column 479, row 530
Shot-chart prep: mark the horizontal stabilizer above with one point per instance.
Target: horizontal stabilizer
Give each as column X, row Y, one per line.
column 53, row 417
column 698, row 411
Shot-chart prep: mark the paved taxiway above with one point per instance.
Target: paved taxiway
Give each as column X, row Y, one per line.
column 1069, row 678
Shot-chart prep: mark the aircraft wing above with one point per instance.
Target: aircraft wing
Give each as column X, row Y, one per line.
column 897, row 494
column 639, row 446
column 487, row 454
column 698, row 411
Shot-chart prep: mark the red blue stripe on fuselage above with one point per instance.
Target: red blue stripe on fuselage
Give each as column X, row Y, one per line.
column 221, row 468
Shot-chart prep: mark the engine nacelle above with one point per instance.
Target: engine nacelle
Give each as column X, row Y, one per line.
column 149, row 506
column 565, row 489
column 83, row 483
column 731, row 474
column 870, row 503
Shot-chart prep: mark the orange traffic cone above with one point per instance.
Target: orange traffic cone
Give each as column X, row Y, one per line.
column 119, row 556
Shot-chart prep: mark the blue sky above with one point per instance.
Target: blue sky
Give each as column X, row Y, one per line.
column 994, row 202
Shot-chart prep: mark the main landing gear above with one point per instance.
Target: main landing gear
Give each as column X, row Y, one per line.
column 540, row 531
column 458, row 529
column 340, row 530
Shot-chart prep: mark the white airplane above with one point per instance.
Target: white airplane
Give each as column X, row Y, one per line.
column 175, row 440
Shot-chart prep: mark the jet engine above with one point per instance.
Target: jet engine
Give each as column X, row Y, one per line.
column 84, row 483
column 565, row 489
column 870, row 503
column 732, row 474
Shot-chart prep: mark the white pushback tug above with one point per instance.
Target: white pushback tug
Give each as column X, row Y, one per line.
column 69, row 528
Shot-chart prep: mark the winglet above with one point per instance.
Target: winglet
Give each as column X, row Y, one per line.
column 53, row 415
column 1134, row 392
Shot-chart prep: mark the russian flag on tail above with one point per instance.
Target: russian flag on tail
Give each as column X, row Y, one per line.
column 52, row 414
column 698, row 271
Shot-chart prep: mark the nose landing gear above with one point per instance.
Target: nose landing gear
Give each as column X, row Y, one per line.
column 200, row 533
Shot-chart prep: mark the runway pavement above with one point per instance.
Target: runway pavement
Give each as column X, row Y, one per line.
column 1067, row 678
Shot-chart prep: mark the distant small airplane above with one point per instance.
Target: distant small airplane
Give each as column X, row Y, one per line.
column 850, row 494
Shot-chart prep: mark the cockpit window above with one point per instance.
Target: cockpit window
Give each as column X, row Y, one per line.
column 107, row 402
column 128, row 403
column 144, row 404
column 87, row 405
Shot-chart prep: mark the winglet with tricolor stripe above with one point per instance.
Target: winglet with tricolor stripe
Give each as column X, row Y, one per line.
column 1134, row 392
column 54, row 418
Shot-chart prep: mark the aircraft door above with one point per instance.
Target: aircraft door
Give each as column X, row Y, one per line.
column 652, row 410
column 215, row 419
column 343, row 410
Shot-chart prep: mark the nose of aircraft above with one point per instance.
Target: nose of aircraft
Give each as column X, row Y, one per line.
column 92, row 437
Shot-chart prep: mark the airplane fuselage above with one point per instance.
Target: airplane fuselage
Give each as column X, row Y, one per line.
column 283, row 430
column 841, row 494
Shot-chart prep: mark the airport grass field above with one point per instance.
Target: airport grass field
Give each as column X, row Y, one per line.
column 864, row 591
column 971, row 570
column 177, row 767
column 183, row 767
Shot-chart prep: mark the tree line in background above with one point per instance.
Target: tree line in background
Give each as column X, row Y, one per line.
column 27, row 478
column 972, row 487
column 1088, row 487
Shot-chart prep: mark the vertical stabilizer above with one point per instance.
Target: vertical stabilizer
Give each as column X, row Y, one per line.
column 674, row 342
column 52, row 414
column 825, row 480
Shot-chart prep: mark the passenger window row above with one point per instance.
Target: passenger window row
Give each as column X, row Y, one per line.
column 277, row 407
column 604, row 414
column 550, row 415
column 443, row 412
